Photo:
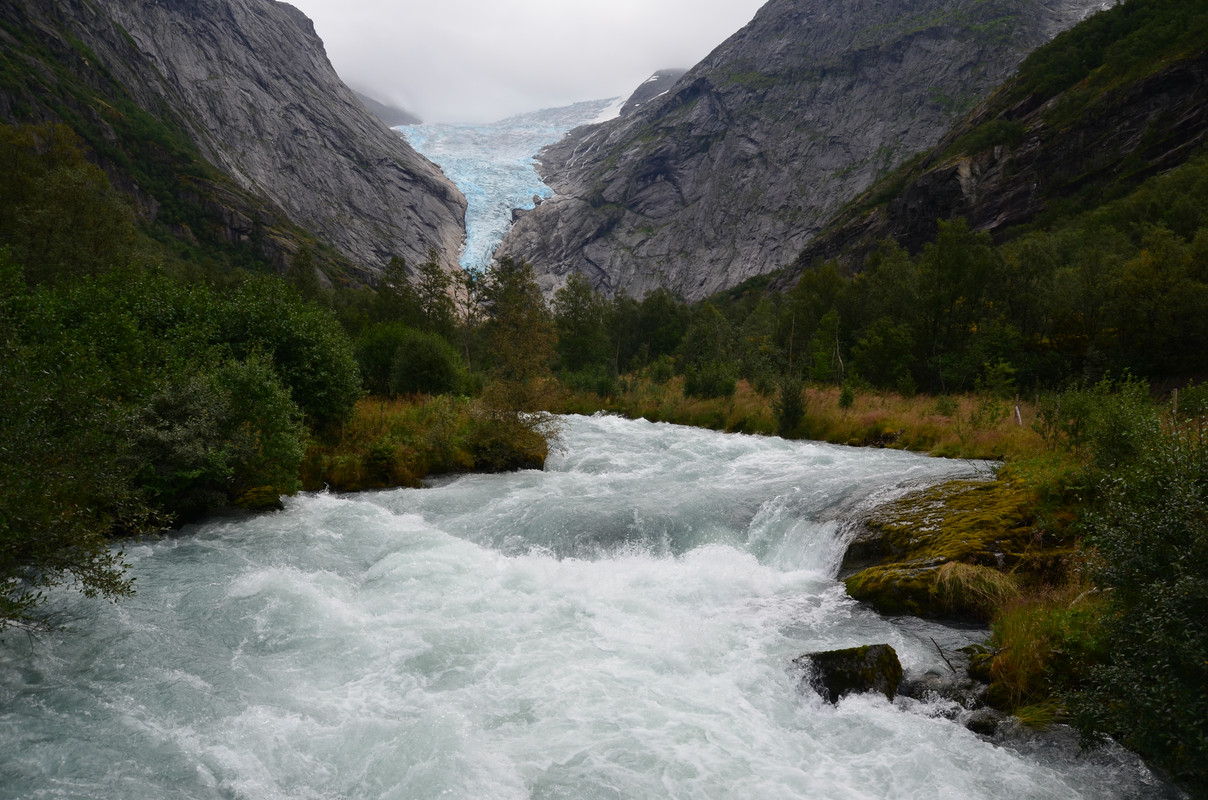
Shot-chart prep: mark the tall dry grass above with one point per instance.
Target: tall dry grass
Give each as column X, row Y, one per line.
column 956, row 427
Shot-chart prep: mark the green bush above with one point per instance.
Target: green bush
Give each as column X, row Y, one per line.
column 599, row 381
column 1193, row 401
column 661, row 370
column 1151, row 534
column 710, row 380
column 67, row 473
column 423, row 363
column 375, row 350
column 789, row 405
column 309, row 350
column 263, row 428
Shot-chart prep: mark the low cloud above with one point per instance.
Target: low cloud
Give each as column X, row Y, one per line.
column 483, row 60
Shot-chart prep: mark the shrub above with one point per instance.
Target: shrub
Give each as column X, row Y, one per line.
column 711, row 379
column 1150, row 532
column 789, row 405
column 308, row 349
column 599, row 381
column 661, row 370
column 423, row 363
column 375, row 349
column 1193, row 401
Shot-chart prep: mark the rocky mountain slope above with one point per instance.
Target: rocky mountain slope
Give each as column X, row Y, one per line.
column 249, row 84
column 653, row 87
column 390, row 115
column 1084, row 121
column 730, row 174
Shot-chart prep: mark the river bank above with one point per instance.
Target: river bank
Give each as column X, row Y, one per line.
column 1084, row 554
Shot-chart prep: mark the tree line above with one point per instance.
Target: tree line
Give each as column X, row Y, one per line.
column 1121, row 289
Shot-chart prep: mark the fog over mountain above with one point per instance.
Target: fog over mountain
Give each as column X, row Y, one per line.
column 482, row 61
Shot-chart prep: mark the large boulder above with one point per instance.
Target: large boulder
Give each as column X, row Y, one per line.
column 836, row 673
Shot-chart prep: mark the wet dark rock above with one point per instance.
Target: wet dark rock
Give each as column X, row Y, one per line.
column 836, row 673
column 964, row 691
column 985, row 721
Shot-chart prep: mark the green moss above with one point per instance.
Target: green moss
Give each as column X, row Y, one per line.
column 983, row 526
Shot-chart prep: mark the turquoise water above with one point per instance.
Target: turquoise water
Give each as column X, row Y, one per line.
column 619, row 625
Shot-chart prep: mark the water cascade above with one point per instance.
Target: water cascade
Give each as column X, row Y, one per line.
column 619, row 625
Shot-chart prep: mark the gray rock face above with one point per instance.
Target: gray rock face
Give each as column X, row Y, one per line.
column 1154, row 124
column 731, row 173
column 252, row 83
column 653, row 87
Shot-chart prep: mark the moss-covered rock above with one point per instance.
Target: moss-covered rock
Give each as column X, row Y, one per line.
column 836, row 673
column 954, row 550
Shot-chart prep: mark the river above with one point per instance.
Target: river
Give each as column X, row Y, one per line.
column 619, row 625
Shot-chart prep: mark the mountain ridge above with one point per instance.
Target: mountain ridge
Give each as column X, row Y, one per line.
column 250, row 84
column 1025, row 153
column 732, row 172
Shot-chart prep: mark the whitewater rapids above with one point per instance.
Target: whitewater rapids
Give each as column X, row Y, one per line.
column 619, row 625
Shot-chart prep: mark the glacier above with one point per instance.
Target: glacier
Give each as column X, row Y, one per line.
column 494, row 165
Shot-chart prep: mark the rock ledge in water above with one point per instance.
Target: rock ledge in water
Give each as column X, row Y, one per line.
column 835, row 673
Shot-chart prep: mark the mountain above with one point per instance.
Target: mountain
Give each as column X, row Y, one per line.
column 390, row 115
column 226, row 122
column 732, row 172
column 1120, row 98
column 653, row 87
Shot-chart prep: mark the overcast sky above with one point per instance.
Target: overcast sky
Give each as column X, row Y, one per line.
column 483, row 60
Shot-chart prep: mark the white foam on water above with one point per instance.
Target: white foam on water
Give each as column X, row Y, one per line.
column 620, row 625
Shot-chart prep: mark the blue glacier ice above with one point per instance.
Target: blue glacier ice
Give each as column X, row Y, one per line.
column 493, row 165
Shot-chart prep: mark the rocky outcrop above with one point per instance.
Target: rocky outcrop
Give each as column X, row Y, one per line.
column 731, row 173
column 953, row 551
column 250, row 83
column 652, row 88
column 1041, row 155
column 837, row 673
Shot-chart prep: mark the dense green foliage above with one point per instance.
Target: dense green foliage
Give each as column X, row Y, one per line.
column 1119, row 44
column 1150, row 533
column 1135, row 665
column 424, row 363
column 135, row 399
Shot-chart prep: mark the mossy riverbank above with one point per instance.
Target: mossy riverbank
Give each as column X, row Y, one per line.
column 968, row 550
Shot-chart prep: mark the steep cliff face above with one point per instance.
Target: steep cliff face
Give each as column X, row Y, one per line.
column 390, row 115
column 1029, row 153
column 652, row 88
column 731, row 173
column 251, row 84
